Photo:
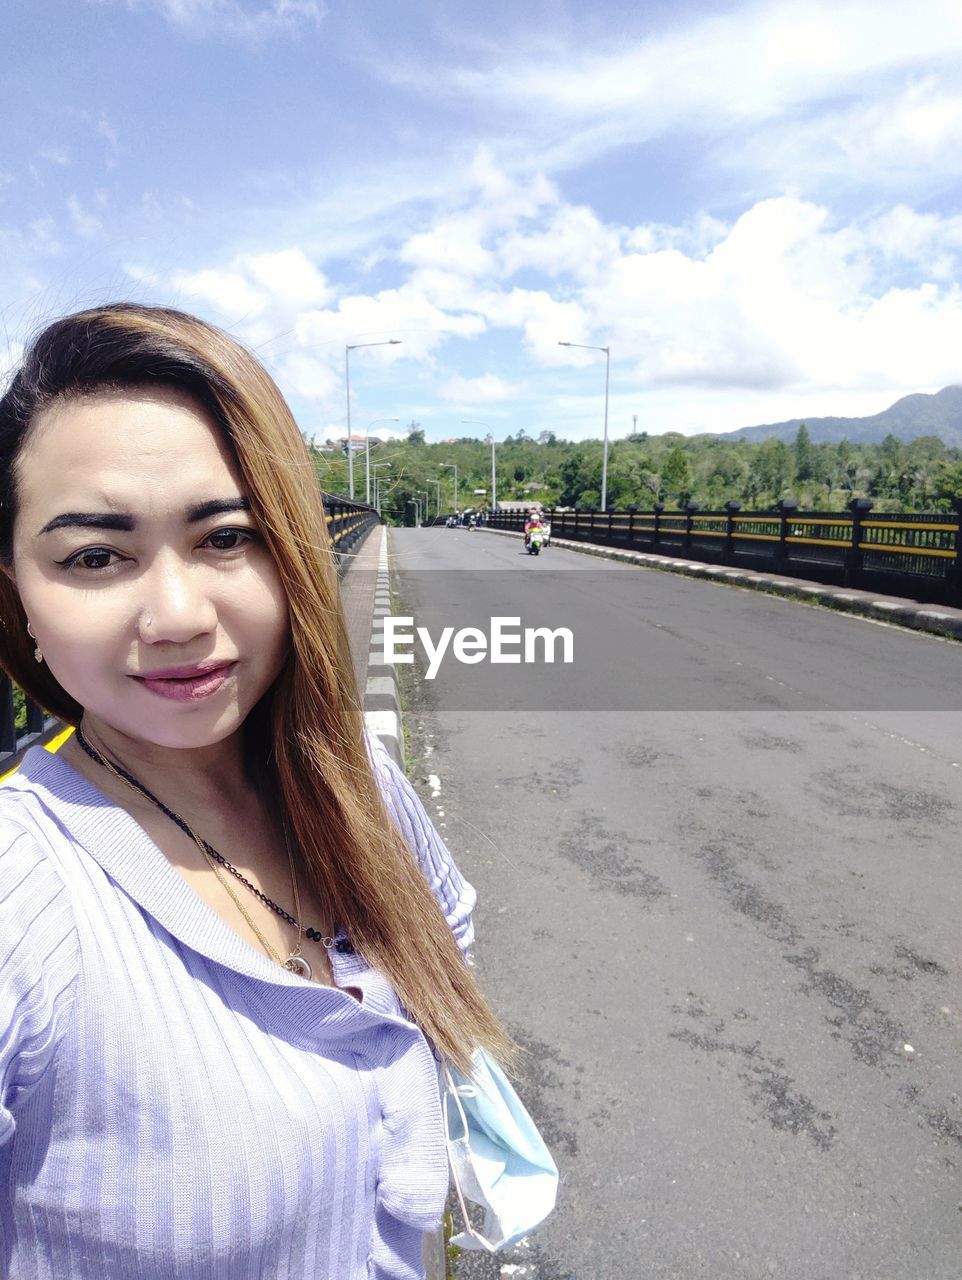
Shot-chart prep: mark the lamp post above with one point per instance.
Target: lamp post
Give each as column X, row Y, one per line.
column 454, row 465
column 422, row 493
column 354, row 346
column 437, row 484
column 377, row 488
column 490, row 440
column 604, row 455
column 367, row 456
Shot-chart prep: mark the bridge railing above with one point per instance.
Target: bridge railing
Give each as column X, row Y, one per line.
column 23, row 724
column 912, row 554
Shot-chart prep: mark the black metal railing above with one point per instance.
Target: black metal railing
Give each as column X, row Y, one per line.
column 913, row 554
column 23, row 724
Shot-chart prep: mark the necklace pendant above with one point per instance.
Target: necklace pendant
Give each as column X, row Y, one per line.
column 297, row 964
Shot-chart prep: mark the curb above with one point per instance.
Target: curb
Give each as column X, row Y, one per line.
column 915, row 615
column 382, row 716
column 382, row 698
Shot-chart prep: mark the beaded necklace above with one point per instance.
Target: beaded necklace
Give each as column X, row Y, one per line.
column 295, row 962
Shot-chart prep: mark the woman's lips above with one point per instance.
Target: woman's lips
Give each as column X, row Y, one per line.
column 188, row 688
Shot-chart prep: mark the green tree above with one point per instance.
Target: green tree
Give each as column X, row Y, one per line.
column 415, row 433
column 676, row 475
column 805, row 457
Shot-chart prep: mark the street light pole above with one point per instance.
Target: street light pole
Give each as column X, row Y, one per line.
column 367, row 456
column 454, row 465
column 437, row 484
column 494, row 484
column 377, row 486
column 349, row 347
column 604, row 455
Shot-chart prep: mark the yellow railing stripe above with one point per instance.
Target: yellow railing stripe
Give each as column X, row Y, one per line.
column 905, row 551
column 891, row 524
column 53, row 745
column 821, row 542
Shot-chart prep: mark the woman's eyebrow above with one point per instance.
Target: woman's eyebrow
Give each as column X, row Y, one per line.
column 125, row 523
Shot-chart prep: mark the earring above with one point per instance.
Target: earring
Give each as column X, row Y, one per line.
column 38, row 656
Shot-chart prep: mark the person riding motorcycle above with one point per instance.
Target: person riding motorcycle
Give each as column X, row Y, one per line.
column 533, row 522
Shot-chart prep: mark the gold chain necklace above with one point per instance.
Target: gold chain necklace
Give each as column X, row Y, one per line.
column 295, row 962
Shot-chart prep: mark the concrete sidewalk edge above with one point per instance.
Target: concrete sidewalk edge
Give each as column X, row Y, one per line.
column 918, row 616
column 381, row 699
column 382, row 696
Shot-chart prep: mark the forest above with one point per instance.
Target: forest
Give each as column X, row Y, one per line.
column 920, row 475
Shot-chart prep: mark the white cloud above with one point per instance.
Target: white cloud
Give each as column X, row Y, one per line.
column 769, row 86
column 111, row 137
column 55, row 155
column 290, row 278
column 786, row 301
column 282, row 282
column 86, row 224
column 575, row 242
column 306, row 376
column 229, row 292
column 452, row 246
column 233, row 18
column 489, row 388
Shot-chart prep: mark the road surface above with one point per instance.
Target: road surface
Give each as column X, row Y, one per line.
column 720, row 876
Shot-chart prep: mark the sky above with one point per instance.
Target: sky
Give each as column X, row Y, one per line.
column 756, row 207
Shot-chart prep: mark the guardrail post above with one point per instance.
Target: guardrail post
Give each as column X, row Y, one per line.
column 611, row 517
column 591, row 525
column 658, row 509
column 632, row 511
column 787, row 507
column 690, row 509
column 728, row 551
column 854, row 557
column 8, row 729
column 953, row 585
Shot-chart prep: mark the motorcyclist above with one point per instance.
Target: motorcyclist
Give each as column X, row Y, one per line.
column 533, row 522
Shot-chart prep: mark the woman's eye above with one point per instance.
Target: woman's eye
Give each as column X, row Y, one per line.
column 91, row 558
column 229, row 539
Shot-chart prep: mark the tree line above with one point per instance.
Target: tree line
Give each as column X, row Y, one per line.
column 918, row 475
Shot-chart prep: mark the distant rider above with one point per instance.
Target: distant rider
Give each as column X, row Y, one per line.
column 533, row 522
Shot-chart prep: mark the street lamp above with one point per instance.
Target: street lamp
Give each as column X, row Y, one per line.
column 427, row 506
column 494, row 484
column 454, row 465
column 604, row 456
column 354, row 346
column 367, row 456
column 377, row 486
column 437, row 484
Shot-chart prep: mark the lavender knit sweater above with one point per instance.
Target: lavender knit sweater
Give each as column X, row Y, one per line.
column 172, row 1103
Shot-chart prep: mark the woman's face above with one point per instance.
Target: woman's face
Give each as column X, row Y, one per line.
column 152, row 596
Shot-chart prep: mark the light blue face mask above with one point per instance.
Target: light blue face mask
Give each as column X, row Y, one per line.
column 498, row 1158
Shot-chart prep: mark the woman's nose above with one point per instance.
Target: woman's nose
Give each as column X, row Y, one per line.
column 175, row 605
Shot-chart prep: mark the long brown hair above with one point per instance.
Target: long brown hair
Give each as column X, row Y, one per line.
column 314, row 752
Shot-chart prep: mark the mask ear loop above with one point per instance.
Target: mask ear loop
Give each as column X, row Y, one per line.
column 456, row 1092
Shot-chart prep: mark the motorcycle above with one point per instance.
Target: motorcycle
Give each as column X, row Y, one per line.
column 535, row 539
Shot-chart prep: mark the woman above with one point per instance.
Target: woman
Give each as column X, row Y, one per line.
column 224, row 979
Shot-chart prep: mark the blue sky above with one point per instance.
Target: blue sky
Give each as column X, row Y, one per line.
column 756, row 206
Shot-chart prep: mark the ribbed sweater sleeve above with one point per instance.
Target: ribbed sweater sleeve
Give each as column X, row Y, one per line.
column 39, row 964
column 456, row 897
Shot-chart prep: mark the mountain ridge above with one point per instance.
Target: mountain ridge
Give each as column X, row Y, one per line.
column 937, row 414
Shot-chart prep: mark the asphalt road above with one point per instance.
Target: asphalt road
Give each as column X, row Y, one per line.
column 720, row 882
